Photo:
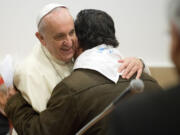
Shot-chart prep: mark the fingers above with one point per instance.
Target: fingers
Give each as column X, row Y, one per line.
column 139, row 73
column 2, row 111
column 2, row 105
column 129, row 71
column 131, row 66
column 11, row 92
column 3, row 101
column 139, row 69
column 123, row 66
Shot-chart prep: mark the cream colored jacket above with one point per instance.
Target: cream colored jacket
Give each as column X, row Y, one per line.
column 37, row 76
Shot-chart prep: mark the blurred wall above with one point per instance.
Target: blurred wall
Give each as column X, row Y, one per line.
column 141, row 26
column 166, row 76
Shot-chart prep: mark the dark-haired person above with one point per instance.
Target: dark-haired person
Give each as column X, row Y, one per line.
column 155, row 113
column 93, row 84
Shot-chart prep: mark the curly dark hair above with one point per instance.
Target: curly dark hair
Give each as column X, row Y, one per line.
column 95, row 27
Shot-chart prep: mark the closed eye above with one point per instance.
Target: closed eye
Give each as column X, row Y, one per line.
column 59, row 36
column 72, row 32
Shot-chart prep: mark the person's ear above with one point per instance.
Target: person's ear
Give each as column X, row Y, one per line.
column 78, row 52
column 175, row 38
column 175, row 46
column 41, row 38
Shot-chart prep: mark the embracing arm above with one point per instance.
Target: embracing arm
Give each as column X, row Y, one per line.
column 57, row 119
column 132, row 65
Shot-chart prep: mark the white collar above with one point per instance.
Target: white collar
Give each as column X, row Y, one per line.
column 103, row 59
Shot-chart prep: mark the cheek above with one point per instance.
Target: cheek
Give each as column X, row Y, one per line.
column 57, row 48
column 57, row 45
column 75, row 40
column 53, row 48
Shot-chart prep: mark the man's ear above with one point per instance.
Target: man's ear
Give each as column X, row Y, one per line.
column 41, row 38
column 175, row 46
column 176, row 39
column 78, row 52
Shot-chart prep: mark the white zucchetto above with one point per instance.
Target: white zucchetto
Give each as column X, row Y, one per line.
column 47, row 9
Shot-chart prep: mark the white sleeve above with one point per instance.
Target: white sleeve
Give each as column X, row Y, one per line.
column 146, row 68
column 7, row 70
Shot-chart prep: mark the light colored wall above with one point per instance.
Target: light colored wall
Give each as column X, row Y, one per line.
column 141, row 26
column 166, row 76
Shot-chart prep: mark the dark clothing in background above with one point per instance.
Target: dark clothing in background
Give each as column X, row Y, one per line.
column 152, row 113
column 4, row 125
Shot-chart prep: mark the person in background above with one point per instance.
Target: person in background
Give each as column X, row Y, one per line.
column 6, row 80
column 4, row 125
column 92, row 86
column 156, row 112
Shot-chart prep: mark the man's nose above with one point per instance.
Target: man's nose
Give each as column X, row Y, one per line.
column 68, row 41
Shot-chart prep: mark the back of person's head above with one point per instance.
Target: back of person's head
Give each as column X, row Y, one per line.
column 95, row 27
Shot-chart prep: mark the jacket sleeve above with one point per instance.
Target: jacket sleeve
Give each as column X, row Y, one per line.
column 58, row 118
column 28, row 80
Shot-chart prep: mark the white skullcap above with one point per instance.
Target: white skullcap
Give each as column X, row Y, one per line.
column 7, row 70
column 46, row 9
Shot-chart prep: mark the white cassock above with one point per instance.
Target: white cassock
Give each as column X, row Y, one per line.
column 37, row 76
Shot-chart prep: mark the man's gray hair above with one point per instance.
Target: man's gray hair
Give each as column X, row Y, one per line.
column 174, row 13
